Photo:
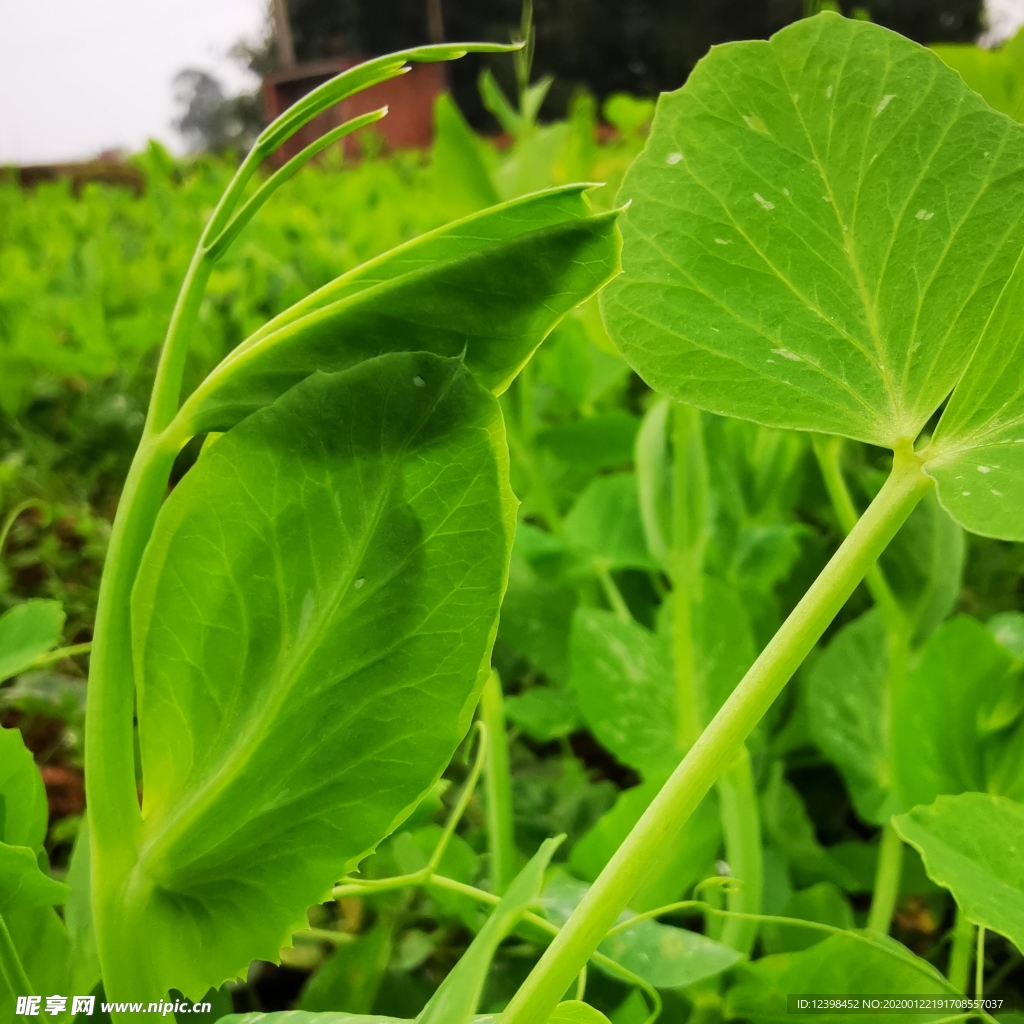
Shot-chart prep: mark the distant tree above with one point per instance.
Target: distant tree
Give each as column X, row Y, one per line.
column 210, row 120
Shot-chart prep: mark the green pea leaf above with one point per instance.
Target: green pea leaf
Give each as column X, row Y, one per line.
column 846, row 698
column 622, row 674
column 576, row 1012
column 41, row 941
column 28, row 631
column 325, row 580
column 23, row 810
column 971, row 845
column 492, row 286
column 842, row 965
column 23, row 884
column 938, row 714
column 829, row 281
column 537, row 612
column 603, row 441
column 824, row 235
column 604, row 523
column 625, row 680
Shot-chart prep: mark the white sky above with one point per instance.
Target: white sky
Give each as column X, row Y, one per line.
column 81, row 76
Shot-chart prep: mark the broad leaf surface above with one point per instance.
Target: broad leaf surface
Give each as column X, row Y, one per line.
column 604, row 523
column 938, row 715
column 311, row 620
column 624, row 677
column 973, row 844
column 28, row 631
column 846, row 699
column 841, row 965
column 23, row 810
column 491, row 286
column 820, row 226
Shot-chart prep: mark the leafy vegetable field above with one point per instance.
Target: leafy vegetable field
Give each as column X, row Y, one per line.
column 507, row 598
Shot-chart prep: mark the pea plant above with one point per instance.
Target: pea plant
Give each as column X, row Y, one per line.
column 824, row 236
column 820, row 255
column 303, row 626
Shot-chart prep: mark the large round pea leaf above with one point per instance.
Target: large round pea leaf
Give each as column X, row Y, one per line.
column 973, row 844
column 311, row 623
column 820, row 227
column 845, row 964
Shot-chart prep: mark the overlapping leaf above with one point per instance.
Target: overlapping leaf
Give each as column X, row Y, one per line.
column 23, row 817
column 972, row 844
column 842, row 965
column 492, row 286
column 822, row 230
column 311, row 619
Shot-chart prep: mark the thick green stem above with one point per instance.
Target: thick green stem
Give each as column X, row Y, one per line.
column 887, row 881
column 741, row 824
column 829, row 453
column 720, row 743
column 498, row 787
column 960, row 953
column 10, row 964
